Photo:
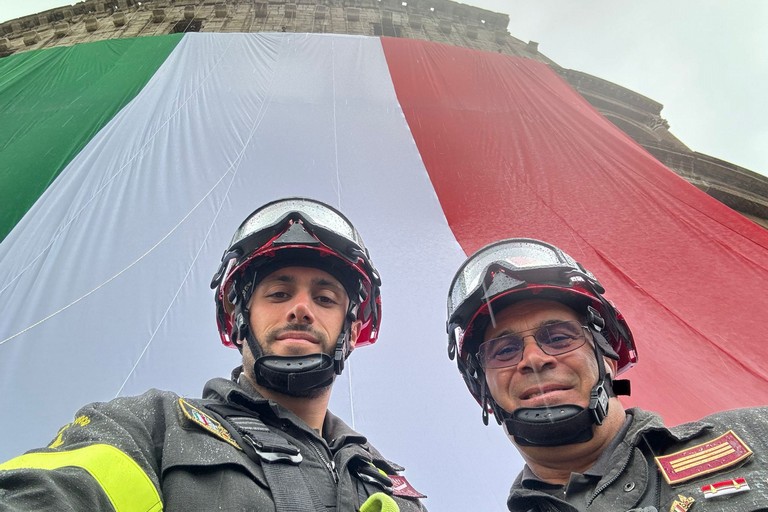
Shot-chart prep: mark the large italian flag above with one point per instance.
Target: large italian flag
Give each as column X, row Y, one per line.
column 126, row 165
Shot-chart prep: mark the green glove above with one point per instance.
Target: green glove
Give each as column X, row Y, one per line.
column 379, row 502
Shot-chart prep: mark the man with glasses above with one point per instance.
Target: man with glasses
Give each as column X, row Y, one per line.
column 540, row 347
column 296, row 291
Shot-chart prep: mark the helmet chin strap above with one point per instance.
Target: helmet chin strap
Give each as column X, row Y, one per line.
column 564, row 424
column 299, row 376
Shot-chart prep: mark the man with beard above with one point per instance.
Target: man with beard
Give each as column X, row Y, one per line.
column 295, row 293
column 539, row 346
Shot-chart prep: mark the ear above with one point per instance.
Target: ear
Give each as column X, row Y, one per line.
column 610, row 366
column 354, row 332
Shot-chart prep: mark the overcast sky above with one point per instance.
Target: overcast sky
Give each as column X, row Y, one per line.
column 706, row 61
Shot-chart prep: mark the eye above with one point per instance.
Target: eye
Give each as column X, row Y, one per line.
column 277, row 294
column 559, row 340
column 326, row 300
column 504, row 349
column 560, row 336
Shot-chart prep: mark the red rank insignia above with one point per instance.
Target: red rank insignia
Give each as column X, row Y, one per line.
column 401, row 487
column 716, row 455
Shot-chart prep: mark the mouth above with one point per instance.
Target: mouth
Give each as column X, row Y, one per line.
column 543, row 392
column 301, row 337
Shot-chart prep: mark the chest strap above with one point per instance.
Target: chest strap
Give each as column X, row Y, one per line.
column 370, row 479
column 278, row 458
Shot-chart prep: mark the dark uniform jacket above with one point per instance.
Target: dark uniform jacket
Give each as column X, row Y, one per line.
column 159, row 452
column 700, row 463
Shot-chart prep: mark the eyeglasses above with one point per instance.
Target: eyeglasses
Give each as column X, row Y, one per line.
column 553, row 339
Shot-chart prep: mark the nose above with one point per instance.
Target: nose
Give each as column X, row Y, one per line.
column 533, row 358
column 301, row 309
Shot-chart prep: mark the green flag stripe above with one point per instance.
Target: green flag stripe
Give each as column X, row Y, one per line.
column 53, row 101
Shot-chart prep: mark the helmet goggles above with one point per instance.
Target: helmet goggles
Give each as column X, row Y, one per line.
column 325, row 223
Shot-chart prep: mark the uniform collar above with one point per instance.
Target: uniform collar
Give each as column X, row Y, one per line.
column 337, row 433
column 649, row 423
column 529, row 479
column 240, row 391
column 639, row 423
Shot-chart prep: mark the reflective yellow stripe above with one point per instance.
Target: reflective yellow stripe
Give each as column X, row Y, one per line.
column 127, row 486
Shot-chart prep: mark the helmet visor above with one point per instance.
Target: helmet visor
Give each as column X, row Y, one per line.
column 516, row 255
column 271, row 218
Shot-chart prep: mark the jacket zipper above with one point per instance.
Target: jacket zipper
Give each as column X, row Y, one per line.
column 330, row 465
column 606, row 484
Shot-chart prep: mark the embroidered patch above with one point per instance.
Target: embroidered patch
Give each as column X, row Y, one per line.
column 208, row 423
column 723, row 452
column 725, row 487
column 681, row 504
column 80, row 421
column 401, row 487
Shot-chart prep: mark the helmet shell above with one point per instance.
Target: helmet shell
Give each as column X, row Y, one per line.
column 296, row 232
column 512, row 270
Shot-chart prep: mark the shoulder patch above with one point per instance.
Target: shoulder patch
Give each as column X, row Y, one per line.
column 703, row 459
column 205, row 421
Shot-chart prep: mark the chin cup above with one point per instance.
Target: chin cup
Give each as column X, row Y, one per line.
column 550, row 426
column 295, row 374
column 559, row 425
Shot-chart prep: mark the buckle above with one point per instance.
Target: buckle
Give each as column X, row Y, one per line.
column 275, row 453
column 370, row 474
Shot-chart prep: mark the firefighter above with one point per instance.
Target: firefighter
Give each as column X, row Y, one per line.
column 295, row 293
column 540, row 347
